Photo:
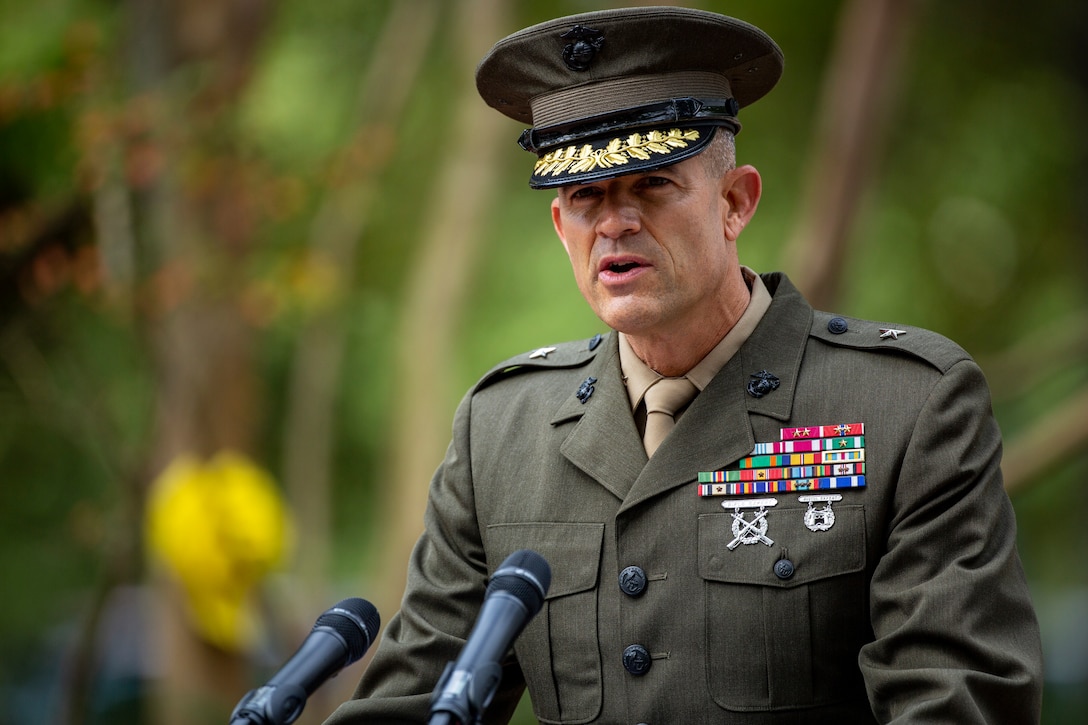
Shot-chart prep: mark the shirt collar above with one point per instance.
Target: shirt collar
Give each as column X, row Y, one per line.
column 638, row 376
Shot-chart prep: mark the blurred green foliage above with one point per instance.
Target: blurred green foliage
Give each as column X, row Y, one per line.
column 974, row 225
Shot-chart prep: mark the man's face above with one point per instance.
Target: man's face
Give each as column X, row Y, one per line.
column 654, row 254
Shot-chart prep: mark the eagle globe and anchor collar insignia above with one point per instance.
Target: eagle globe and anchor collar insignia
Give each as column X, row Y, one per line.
column 761, row 383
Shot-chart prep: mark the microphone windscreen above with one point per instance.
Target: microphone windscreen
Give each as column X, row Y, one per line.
column 354, row 619
column 525, row 575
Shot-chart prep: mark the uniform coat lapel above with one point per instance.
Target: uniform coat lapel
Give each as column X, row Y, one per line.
column 604, row 443
column 712, row 432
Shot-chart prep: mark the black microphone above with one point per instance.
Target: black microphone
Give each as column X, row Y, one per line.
column 514, row 596
column 341, row 636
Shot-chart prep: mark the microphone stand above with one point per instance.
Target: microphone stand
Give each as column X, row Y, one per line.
column 443, row 718
column 279, row 705
column 473, row 694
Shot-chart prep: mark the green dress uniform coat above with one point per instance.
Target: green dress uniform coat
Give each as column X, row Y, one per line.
column 911, row 607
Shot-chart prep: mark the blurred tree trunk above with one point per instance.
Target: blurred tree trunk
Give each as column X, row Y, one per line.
column 1052, row 439
column 454, row 227
column 1060, row 435
column 195, row 224
column 335, row 234
column 338, row 228
column 858, row 95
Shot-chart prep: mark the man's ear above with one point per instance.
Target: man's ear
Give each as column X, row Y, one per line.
column 741, row 188
column 557, row 222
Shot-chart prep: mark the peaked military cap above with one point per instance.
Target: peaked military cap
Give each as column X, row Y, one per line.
column 628, row 90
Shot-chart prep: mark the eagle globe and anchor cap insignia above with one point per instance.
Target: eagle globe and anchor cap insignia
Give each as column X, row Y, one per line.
column 580, row 52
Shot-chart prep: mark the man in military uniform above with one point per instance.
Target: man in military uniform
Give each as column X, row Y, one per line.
column 754, row 512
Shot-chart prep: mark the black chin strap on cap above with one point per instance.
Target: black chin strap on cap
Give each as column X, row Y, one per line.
column 723, row 111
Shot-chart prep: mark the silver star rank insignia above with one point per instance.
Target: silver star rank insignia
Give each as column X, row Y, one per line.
column 541, row 352
column 886, row 333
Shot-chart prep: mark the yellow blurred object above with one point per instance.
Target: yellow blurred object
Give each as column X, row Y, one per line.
column 220, row 527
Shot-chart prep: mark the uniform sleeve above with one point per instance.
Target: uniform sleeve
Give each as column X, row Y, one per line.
column 447, row 577
column 956, row 638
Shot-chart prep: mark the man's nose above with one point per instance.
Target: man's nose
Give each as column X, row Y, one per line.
column 619, row 215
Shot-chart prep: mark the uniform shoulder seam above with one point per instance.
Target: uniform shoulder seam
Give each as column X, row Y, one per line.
column 882, row 337
column 557, row 356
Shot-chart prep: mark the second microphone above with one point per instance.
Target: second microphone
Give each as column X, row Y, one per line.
column 514, row 596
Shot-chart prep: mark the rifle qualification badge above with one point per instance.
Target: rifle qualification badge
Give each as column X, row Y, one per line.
column 752, row 531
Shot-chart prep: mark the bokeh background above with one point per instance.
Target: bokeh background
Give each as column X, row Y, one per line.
column 252, row 252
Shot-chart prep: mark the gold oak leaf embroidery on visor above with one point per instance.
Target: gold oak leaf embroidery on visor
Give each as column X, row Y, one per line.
column 618, row 152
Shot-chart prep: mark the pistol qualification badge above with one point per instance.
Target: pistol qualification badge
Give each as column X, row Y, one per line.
column 822, row 518
column 749, row 532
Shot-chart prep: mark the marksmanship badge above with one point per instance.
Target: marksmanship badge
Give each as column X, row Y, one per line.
column 745, row 531
column 820, row 518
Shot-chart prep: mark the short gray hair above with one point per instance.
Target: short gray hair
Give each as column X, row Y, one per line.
column 720, row 156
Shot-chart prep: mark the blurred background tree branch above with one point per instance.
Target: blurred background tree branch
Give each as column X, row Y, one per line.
column 252, row 253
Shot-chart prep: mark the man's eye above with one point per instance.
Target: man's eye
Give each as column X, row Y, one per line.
column 584, row 192
column 655, row 181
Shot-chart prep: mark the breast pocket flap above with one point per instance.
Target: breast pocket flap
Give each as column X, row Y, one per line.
column 572, row 550
column 812, row 554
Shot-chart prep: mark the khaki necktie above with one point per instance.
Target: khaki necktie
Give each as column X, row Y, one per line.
column 663, row 399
